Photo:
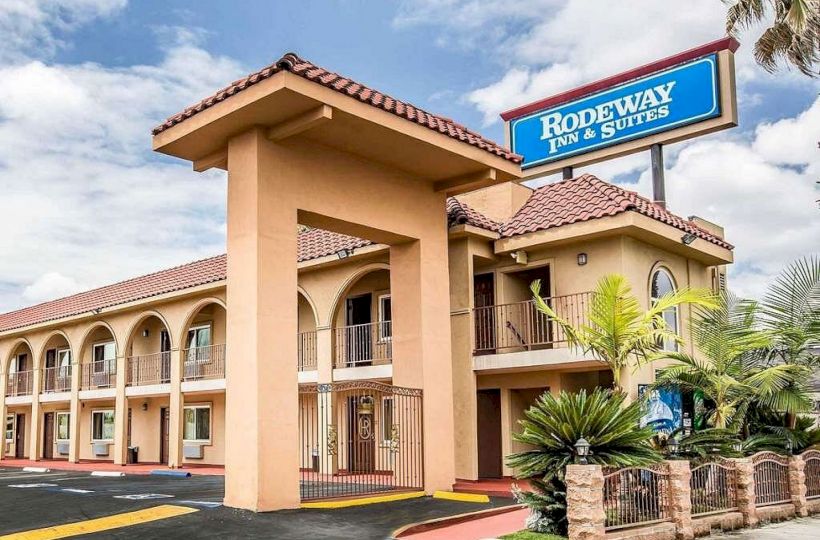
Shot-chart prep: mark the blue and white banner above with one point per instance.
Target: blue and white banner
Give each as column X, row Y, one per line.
column 659, row 102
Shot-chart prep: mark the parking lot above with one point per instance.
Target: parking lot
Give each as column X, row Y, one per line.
column 31, row 501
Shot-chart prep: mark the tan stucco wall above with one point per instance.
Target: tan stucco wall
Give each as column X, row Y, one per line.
column 499, row 202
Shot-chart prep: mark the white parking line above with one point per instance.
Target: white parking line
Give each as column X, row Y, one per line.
column 144, row 496
column 24, row 486
column 40, row 475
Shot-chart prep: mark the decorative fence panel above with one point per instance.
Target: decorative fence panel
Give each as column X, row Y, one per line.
column 771, row 478
column 359, row 437
column 812, row 471
column 713, row 488
column 636, row 496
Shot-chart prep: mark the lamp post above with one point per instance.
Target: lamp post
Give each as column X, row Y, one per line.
column 738, row 447
column 672, row 446
column 582, row 450
column 789, row 447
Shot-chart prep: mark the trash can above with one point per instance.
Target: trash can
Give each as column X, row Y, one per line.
column 133, row 454
column 315, row 456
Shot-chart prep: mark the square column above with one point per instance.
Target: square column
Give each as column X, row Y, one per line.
column 585, row 502
column 175, row 411
column 261, row 433
column 74, row 416
column 797, row 485
column 35, row 448
column 419, row 284
column 120, row 415
column 3, row 411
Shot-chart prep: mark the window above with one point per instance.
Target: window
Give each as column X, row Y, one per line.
column 199, row 339
column 105, row 357
column 64, row 363
column 197, row 424
column 661, row 285
column 63, row 426
column 387, row 420
column 102, row 426
column 385, row 318
column 10, row 421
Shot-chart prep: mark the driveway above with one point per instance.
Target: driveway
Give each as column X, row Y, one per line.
column 798, row 529
column 30, row 501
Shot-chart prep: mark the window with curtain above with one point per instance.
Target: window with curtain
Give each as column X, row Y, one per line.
column 197, row 426
column 105, row 356
column 660, row 285
column 63, row 426
column 10, row 427
column 387, row 419
column 102, row 426
column 199, row 339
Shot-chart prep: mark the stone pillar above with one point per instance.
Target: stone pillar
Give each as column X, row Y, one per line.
column 176, row 405
column 680, row 500
column 261, row 398
column 74, row 417
column 797, row 485
column 585, row 502
column 419, row 285
column 745, row 475
column 120, row 414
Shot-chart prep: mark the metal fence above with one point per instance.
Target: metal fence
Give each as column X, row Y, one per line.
column 771, row 478
column 19, row 383
column 306, row 345
column 148, row 369
column 364, row 344
column 812, row 471
column 359, row 437
column 636, row 496
column 713, row 488
column 100, row 374
column 200, row 363
column 520, row 326
column 57, row 379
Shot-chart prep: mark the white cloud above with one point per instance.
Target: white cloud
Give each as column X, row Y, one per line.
column 85, row 201
column 33, row 27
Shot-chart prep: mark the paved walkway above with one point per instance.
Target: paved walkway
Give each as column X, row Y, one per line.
column 798, row 529
column 140, row 468
column 489, row 527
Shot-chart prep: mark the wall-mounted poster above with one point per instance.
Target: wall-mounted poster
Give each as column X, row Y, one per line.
column 663, row 408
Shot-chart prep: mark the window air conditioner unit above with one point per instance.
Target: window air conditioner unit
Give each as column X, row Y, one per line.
column 192, row 451
column 100, row 449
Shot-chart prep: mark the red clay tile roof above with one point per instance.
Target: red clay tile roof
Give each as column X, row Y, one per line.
column 460, row 213
column 298, row 66
column 313, row 243
column 587, row 197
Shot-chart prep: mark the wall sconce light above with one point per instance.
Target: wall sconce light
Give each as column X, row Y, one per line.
column 344, row 253
column 519, row 256
column 144, row 405
column 582, row 259
column 688, row 238
column 146, row 333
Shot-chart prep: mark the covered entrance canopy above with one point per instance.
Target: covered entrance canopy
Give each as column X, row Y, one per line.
column 305, row 146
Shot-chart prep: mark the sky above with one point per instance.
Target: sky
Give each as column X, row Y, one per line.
column 84, row 202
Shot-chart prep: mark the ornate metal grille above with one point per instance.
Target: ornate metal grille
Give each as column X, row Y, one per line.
column 812, row 471
column 713, row 488
column 636, row 495
column 359, row 437
column 771, row 478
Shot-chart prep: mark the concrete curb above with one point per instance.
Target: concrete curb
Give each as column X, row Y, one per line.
column 439, row 523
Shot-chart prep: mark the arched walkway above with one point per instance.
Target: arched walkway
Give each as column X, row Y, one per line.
column 56, row 360
column 203, row 341
column 148, row 351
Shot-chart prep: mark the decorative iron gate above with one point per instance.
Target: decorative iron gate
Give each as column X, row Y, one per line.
column 771, row 478
column 359, row 437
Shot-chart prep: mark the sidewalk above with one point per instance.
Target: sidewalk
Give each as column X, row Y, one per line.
column 90, row 466
column 489, row 527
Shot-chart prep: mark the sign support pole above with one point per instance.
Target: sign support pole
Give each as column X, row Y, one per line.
column 658, row 184
column 566, row 173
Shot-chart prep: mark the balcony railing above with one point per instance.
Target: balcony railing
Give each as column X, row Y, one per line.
column 200, row 363
column 306, row 344
column 100, row 374
column 364, row 344
column 148, row 369
column 19, row 383
column 57, row 379
column 521, row 327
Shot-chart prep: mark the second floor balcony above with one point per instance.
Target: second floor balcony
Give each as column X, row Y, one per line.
column 361, row 345
column 519, row 326
column 202, row 363
column 148, row 369
column 19, row 383
column 56, row 379
column 99, row 374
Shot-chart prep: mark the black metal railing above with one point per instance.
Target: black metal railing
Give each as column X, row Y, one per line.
column 99, row 374
column 306, row 345
column 713, row 488
column 200, row 363
column 57, row 379
column 771, row 473
column 812, row 471
column 359, row 437
column 364, row 344
column 636, row 496
column 148, row 369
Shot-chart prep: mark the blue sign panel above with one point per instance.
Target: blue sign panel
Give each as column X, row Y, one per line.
column 659, row 102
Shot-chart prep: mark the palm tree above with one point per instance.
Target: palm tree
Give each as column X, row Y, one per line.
column 727, row 368
column 619, row 332
column 553, row 425
column 790, row 313
column 794, row 35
